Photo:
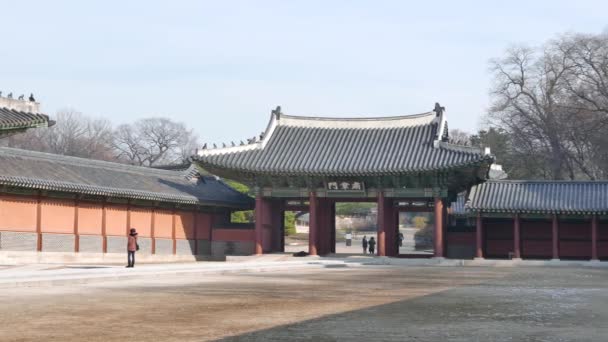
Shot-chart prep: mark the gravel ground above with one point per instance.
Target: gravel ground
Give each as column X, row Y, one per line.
column 376, row 303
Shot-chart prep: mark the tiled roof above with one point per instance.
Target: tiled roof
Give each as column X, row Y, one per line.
column 294, row 145
column 45, row 171
column 13, row 120
column 576, row 197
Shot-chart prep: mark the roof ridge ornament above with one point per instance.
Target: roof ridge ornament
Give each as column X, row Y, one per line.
column 438, row 109
column 441, row 135
column 276, row 112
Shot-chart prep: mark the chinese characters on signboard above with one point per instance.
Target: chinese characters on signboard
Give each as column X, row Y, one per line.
column 345, row 186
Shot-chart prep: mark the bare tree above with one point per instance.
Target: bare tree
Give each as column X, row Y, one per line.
column 460, row 137
column 146, row 142
column 74, row 134
column 588, row 81
column 154, row 141
column 554, row 103
column 127, row 145
column 527, row 97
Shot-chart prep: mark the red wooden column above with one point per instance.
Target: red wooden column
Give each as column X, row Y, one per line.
column 313, row 224
column 594, row 238
column 195, row 231
column 152, row 236
column 332, row 228
column 390, row 228
column 381, row 224
column 516, row 238
column 438, row 228
column 39, row 222
column 76, row 234
column 321, row 228
column 128, row 218
column 324, row 228
column 555, row 237
column 104, row 236
column 445, row 230
column 259, row 224
column 479, row 238
column 276, row 224
column 174, row 241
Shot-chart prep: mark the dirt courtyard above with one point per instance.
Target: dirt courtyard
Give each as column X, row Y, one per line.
column 371, row 303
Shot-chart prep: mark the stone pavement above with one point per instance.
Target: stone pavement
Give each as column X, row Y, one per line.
column 319, row 303
column 61, row 274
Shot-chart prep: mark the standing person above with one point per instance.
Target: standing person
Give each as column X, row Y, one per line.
column 364, row 244
column 372, row 245
column 132, row 247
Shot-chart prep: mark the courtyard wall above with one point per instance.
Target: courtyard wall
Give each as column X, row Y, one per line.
column 38, row 228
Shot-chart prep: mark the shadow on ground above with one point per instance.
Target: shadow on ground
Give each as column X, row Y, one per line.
column 514, row 309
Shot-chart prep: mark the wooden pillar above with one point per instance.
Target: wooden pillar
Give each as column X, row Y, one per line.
column 282, row 214
column 321, row 227
column 438, row 228
column 516, row 238
column 391, row 247
column 128, row 217
column 259, row 224
column 152, row 238
column 195, row 232
column 445, row 230
column 395, row 223
column 277, row 226
column 211, row 221
column 313, row 224
column 76, row 234
column 555, row 237
column 104, row 238
column 328, row 231
column 594, row 255
column 479, row 238
column 281, row 228
column 381, row 243
column 332, row 222
column 173, row 219
column 389, row 225
column 39, row 222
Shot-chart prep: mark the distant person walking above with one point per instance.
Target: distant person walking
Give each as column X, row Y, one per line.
column 132, row 247
column 372, row 245
column 364, row 244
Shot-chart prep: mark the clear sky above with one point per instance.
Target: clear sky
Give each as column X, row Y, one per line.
column 221, row 66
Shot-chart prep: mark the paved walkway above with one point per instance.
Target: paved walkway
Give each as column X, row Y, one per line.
column 61, row 274
column 52, row 274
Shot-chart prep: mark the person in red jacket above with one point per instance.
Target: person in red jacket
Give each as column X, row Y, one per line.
column 132, row 247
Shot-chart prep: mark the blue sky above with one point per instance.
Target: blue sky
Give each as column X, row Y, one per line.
column 221, row 66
